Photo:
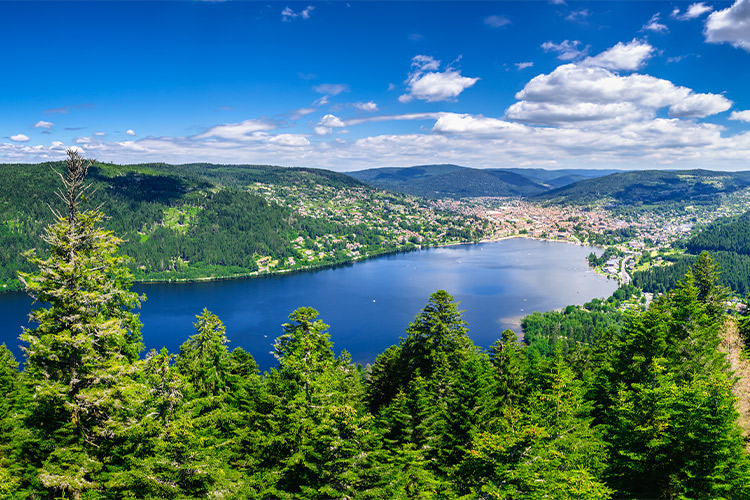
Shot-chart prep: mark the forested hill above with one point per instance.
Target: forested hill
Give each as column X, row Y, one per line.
column 729, row 235
column 459, row 182
column 728, row 242
column 202, row 220
column 649, row 187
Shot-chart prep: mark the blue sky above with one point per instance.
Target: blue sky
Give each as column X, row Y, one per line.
column 353, row 85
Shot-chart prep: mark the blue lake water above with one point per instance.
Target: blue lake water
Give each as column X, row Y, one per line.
column 368, row 304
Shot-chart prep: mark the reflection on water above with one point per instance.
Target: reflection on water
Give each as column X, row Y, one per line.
column 369, row 304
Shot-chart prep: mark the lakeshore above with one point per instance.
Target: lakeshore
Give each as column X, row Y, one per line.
column 497, row 283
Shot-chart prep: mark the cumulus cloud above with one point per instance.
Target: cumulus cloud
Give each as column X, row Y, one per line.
column 743, row 116
column 567, row 50
column 426, row 83
column 369, row 106
column 44, row 125
column 699, row 106
column 130, row 132
column 585, row 93
column 19, row 138
column 692, row 12
column 654, row 25
column 331, row 88
column 730, row 25
column 331, row 121
column 453, row 123
column 496, row 21
column 319, row 130
column 288, row 14
column 524, row 65
column 289, row 140
column 623, row 56
column 237, row 131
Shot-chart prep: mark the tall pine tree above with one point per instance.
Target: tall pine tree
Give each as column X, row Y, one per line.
column 80, row 356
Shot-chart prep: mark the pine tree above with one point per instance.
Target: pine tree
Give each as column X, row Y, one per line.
column 665, row 398
column 79, row 357
column 544, row 448
column 316, row 437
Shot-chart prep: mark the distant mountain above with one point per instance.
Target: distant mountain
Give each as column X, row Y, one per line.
column 449, row 180
column 458, row 182
column 649, row 186
column 560, row 177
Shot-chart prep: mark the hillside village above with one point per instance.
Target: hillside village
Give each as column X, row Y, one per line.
column 404, row 222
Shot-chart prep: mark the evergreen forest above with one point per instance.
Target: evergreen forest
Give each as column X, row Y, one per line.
column 204, row 221
column 728, row 242
column 641, row 405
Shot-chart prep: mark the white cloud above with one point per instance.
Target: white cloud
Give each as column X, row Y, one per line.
column 692, row 12
column 19, row 138
column 623, row 56
column 654, row 25
column 524, row 65
column 743, row 116
column 699, row 106
column 322, row 130
column 428, row 84
column 100, row 134
column 369, row 106
column 578, row 15
column 44, row 125
column 237, row 131
column 331, row 121
column 452, row 123
column 730, row 25
column 299, row 113
column 400, row 117
column 289, row 140
column 567, row 50
column 288, row 14
column 472, row 140
column 331, row 88
column 496, row 21
column 322, row 101
column 130, row 132
column 575, row 93
column 305, row 14
column 83, row 140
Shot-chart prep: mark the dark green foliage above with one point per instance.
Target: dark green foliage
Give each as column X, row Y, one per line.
column 660, row 279
column 650, row 187
column 572, row 326
column 231, row 225
column 728, row 235
column 667, row 407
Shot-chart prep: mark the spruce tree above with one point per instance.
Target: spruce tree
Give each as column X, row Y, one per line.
column 316, row 436
column 665, row 399
column 80, row 356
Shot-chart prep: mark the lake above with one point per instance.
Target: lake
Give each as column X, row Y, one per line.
column 368, row 304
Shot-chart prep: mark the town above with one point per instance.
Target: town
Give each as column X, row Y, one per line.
column 634, row 239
